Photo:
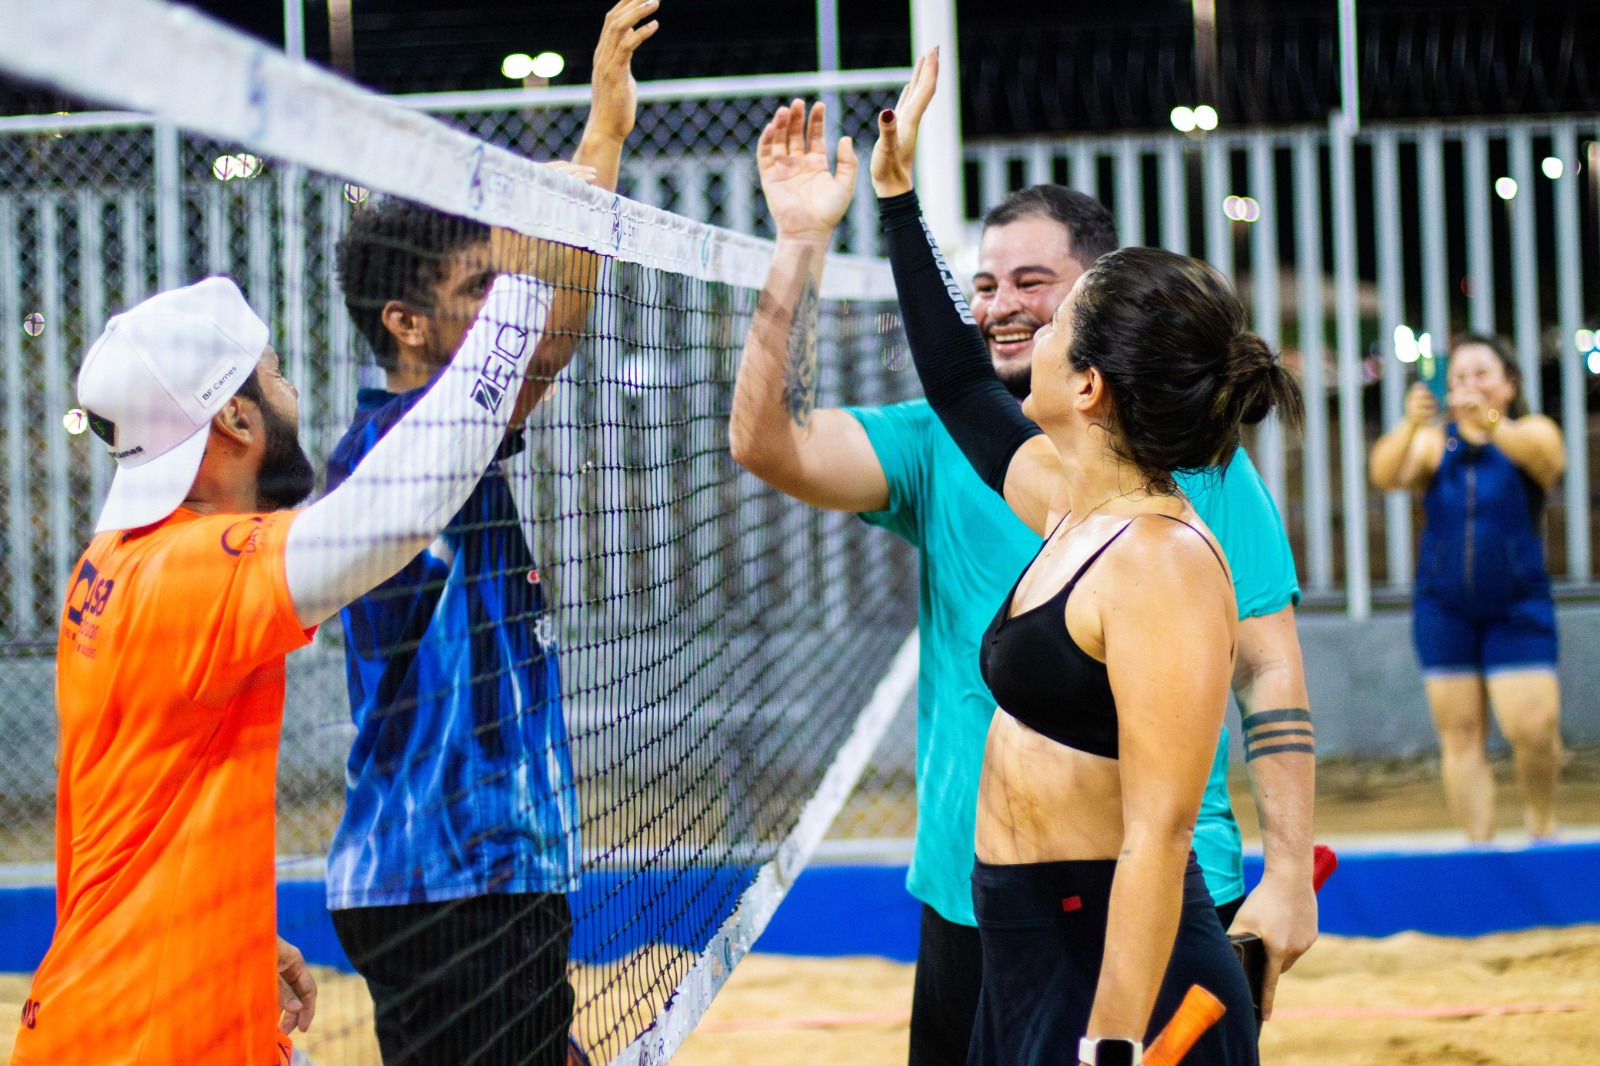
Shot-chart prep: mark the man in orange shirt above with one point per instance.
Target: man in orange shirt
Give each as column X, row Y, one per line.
column 170, row 666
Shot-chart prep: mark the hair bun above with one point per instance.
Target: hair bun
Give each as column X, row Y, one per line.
column 1251, row 378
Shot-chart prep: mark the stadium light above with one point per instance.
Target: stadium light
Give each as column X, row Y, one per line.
column 548, row 65
column 1505, row 188
column 1594, row 363
column 75, row 421
column 1205, row 116
column 1183, row 119
column 1585, row 340
column 355, row 193
column 238, row 166
column 1553, row 168
column 1241, row 208
column 1425, row 346
column 33, row 325
column 1405, row 345
column 517, row 65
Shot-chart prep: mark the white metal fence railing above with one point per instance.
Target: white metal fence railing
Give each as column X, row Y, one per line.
column 1435, row 248
column 1468, row 225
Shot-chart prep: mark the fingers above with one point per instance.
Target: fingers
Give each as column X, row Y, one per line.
column 919, row 93
column 847, row 162
column 797, row 128
column 585, row 174
column 1269, row 983
column 817, row 129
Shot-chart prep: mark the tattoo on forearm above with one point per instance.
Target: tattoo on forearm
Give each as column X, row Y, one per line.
column 1281, row 732
column 800, row 367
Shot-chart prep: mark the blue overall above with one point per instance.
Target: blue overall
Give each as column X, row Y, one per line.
column 1483, row 600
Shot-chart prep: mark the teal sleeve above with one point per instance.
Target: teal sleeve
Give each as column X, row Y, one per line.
column 899, row 436
column 1236, row 506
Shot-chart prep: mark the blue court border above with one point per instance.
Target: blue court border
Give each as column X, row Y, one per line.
column 864, row 910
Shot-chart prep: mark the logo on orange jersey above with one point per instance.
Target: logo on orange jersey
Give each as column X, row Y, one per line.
column 241, row 536
column 96, row 593
column 30, row 1013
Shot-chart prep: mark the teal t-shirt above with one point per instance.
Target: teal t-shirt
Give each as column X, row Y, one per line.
column 972, row 550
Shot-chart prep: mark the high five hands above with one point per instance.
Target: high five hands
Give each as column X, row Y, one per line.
column 806, row 199
column 896, row 151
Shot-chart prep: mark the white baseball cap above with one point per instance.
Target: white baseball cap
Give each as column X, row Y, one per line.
column 151, row 385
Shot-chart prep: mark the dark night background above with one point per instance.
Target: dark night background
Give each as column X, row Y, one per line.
column 1027, row 66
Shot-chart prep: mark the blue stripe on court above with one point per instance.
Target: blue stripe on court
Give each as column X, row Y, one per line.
column 864, row 909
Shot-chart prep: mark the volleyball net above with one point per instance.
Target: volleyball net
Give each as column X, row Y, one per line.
column 728, row 659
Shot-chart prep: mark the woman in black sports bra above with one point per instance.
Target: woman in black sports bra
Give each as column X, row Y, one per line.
column 1111, row 658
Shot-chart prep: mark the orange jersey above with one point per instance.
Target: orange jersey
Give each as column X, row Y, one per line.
column 169, row 684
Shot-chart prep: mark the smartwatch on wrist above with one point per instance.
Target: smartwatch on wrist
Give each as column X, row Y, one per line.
column 1110, row 1051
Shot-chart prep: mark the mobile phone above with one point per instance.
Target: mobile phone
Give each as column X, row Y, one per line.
column 1252, row 954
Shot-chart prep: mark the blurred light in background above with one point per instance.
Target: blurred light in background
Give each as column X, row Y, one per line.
column 1505, row 188
column 1183, row 119
column 240, row 165
column 1585, row 340
column 517, row 65
column 1241, row 208
column 1552, row 167
column 548, row 65
column 33, row 325
column 1205, row 116
column 355, row 193
column 1405, row 345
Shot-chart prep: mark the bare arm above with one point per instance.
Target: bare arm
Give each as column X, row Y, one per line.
column 1533, row 442
column 614, row 98
column 1407, row 457
column 1280, row 758
column 1169, row 714
column 945, row 343
column 824, row 457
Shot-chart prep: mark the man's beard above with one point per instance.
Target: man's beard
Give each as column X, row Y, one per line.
column 286, row 477
column 1018, row 380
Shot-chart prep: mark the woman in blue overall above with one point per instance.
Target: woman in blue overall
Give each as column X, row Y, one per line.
column 1484, row 620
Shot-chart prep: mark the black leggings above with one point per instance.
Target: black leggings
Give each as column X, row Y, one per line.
column 480, row 981
column 1043, row 929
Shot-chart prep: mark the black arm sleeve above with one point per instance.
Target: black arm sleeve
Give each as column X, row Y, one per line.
column 952, row 361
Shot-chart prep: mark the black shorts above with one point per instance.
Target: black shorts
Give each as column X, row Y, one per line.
column 1043, row 929
column 481, row 980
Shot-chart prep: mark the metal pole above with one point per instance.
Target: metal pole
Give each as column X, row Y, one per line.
column 1342, row 128
column 1268, row 304
column 1569, row 315
column 828, row 60
column 294, row 28
column 1391, row 314
column 1308, row 265
column 1480, row 244
column 1352, row 429
column 1525, row 267
column 940, row 182
column 169, row 207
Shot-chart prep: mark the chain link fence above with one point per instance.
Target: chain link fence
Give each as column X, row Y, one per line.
column 97, row 213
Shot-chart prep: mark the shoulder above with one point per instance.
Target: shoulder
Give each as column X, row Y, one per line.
column 1166, row 558
column 1541, row 424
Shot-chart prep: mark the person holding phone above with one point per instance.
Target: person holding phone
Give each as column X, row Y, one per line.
column 1483, row 616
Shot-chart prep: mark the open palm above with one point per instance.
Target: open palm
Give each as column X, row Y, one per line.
column 805, row 197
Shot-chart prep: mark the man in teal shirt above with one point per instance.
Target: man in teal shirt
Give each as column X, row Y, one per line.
column 899, row 469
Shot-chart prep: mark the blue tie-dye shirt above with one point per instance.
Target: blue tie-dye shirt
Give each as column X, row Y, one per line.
column 459, row 782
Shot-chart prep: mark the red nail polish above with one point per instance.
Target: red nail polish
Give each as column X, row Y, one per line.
column 888, row 114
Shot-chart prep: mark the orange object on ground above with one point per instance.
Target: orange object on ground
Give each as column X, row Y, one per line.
column 170, row 686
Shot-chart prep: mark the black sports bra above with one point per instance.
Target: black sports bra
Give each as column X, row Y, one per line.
column 1040, row 676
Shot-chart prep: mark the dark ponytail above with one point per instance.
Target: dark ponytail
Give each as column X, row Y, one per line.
column 1169, row 337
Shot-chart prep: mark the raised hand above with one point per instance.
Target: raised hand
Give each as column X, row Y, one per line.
column 1421, row 406
column 896, row 151
column 614, row 93
column 806, row 199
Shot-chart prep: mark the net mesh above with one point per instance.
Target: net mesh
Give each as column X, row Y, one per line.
column 716, row 642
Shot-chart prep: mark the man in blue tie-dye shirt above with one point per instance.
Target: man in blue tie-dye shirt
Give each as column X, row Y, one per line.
column 448, row 875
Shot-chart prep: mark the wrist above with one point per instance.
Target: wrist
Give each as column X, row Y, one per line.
column 807, row 238
column 1110, row 1051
